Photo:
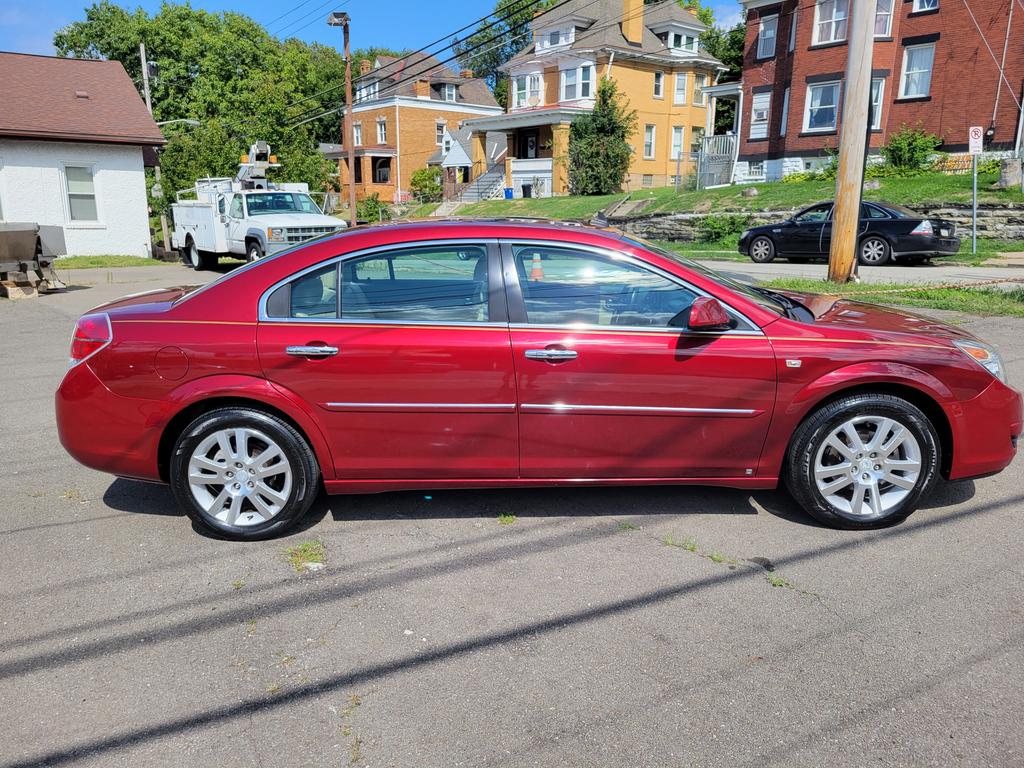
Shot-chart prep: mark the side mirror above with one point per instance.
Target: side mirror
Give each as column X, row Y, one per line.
column 707, row 314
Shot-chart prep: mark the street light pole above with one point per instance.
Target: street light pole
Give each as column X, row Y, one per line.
column 156, row 167
column 343, row 20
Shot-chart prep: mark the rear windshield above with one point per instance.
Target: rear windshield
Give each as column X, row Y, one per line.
column 902, row 213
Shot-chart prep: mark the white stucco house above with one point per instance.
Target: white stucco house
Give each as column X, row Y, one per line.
column 75, row 138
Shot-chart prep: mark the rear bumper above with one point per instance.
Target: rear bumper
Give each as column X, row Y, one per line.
column 926, row 245
column 104, row 431
column 985, row 432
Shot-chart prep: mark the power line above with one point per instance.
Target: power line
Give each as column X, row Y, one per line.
column 286, row 13
column 316, row 11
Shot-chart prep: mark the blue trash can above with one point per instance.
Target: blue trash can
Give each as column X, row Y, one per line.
column 508, row 193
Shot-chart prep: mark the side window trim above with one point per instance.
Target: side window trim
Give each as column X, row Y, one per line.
column 497, row 307
column 517, row 305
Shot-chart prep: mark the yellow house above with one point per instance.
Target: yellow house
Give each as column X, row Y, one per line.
column 400, row 112
column 653, row 54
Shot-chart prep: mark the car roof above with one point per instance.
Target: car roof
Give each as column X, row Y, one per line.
column 498, row 226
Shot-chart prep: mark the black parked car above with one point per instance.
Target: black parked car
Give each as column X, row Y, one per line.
column 887, row 232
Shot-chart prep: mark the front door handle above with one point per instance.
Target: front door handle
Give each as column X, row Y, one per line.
column 552, row 355
column 311, row 351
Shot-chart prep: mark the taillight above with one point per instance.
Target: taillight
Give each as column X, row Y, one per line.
column 924, row 228
column 92, row 333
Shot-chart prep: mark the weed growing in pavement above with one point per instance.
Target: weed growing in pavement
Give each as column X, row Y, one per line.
column 302, row 555
column 237, row 583
column 506, row 519
column 628, row 527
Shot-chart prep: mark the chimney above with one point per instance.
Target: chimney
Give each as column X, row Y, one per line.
column 692, row 10
column 421, row 89
column 467, row 74
column 633, row 21
column 364, row 67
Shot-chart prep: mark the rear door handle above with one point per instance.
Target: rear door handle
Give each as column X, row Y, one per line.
column 311, row 351
column 552, row 355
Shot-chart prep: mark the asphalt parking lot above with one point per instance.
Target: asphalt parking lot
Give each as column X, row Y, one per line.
column 623, row 627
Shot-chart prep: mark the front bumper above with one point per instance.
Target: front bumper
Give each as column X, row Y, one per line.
column 985, row 431
column 108, row 432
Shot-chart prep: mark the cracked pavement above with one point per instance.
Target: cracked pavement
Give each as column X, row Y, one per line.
column 435, row 636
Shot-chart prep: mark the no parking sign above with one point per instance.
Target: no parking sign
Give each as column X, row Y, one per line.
column 974, row 136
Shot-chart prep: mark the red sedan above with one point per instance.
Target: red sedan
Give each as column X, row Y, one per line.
column 495, row 354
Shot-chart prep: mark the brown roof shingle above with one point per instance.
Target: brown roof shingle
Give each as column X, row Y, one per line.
column 397, row 75
column 46, row 97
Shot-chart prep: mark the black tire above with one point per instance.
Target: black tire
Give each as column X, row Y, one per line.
column 191, row 256
column 874, row 251
column 798, row 472
column 253, row 250
column 305, row 472
column 762, row 249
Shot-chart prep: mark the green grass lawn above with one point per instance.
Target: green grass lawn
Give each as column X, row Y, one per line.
column 112, row 260
column 976, row 301
column 932, row 188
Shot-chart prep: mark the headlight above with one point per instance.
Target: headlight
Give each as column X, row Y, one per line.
column 275, row 234
column 985, row 356
column 745, row 234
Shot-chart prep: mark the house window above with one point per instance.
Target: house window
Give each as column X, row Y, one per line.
column 681, row 42
column 877, row 94
column 925, row 5
column 696, row 140
column 917, row 71
column 677, row 40
column 659, row 84
column 527, row 93
column 760, row 107
column 792, row 27
column 822, row 107
column 647, row 180
column 586, row 78
column 382, row 170
column 555, row 38
column 447, row 145
column 699, row 82
column 785, row 112
column 357, row 134
column 450, row 92
column 679, row 94
column 81, row 193
column 649, row 142
column 677, row 142
column 883, row 18
column 382, row 132
column 568, row 85
column 439, row 133
column 830, row 21
column 367, row 91
column 358, row 176
column 766, row 37
column 755, row 170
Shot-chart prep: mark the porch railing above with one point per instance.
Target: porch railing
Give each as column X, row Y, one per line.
column 717, row 160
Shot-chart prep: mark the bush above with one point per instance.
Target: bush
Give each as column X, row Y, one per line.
column 991, row 165
column 714, row 228
column 798, row 177
column 372, row 209
column 425, row 184
column 910, row 149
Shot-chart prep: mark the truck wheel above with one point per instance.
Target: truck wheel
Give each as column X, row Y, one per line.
column 253, row 251
column 195, row 258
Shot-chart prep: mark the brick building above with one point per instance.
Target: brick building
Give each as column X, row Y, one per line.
column 401, row 109
column 931, row 67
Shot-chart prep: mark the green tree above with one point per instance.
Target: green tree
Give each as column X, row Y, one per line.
column 726, row 45
column 227, row 72
column 598, row 150
column 425, row 184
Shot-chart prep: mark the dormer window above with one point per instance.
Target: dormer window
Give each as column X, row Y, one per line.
column 555, row 38
column 683, row 43
column 367, row 91
column 449, row 92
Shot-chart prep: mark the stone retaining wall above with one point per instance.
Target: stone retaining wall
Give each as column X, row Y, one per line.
column 1004, row 222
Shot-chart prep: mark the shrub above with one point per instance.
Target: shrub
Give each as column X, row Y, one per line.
column 372, row 209
column 909, row 149
column 425, row 184
column 715, row 227
column 798, row 177
column 991, row 165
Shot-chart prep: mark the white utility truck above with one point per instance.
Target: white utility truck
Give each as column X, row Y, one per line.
column 247, row 215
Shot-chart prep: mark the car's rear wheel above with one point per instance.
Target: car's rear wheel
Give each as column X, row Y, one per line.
column 762, row 250
column 863, row 461
column 874, row 251
column 243, row 473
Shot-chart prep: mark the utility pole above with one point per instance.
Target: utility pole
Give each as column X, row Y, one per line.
column 853, row 138
column 156, row 168
column 343, row 20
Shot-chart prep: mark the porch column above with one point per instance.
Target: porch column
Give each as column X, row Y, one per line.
column 510, row 153
column 479, row 155
column 560, row 159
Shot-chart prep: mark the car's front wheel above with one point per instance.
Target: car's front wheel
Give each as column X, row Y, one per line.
column 874, row 251
column 253, row 251
column 244, row 473
column 762, row 250
column 863, row 461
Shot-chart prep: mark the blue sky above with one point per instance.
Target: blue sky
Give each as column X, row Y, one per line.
column 27, row 26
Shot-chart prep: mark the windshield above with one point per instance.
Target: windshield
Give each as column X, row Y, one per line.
column 280, row 202
column 745, row 290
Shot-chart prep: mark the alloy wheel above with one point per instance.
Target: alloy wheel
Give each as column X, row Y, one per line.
column 240, row 476
column 872, row 251
column 761, row 249
column 867, row 466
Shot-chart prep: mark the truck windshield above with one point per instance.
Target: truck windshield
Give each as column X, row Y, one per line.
column 280, row 202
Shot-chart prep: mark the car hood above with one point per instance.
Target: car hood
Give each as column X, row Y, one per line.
column 296, row 220
column 837, row 312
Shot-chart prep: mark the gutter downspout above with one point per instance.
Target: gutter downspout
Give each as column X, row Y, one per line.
column 608, row 68
column 398, row 156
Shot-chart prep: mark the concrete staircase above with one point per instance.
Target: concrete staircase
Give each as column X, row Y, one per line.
column 484, row 187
